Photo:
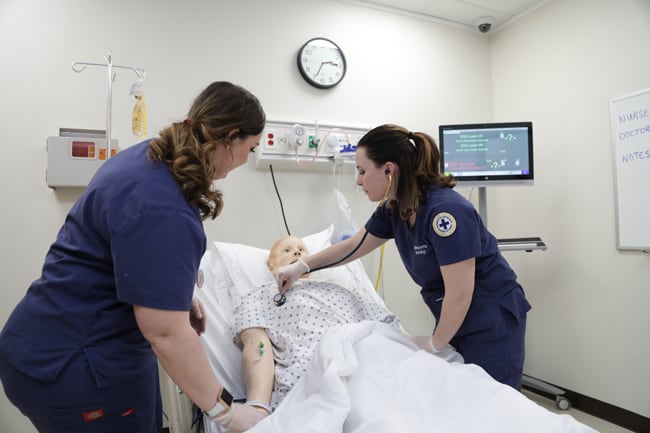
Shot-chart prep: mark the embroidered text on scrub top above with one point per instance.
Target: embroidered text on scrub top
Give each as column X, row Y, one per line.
column 420, row 249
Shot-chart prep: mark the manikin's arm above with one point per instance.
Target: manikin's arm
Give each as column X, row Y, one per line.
column 258, row 365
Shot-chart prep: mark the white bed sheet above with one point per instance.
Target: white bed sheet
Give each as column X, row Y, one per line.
column 369, row 378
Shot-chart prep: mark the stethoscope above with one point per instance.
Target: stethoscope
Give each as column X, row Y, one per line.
column 279, row 299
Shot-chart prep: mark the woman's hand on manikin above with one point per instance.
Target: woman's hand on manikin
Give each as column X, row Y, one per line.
column 285, row 276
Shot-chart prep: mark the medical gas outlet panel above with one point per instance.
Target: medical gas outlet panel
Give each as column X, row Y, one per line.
column 302, row 146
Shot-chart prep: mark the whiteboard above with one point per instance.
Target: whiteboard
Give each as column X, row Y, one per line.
column 630, row 122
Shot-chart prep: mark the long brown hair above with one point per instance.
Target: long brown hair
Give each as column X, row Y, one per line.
column 186, row 146
column 415, row 154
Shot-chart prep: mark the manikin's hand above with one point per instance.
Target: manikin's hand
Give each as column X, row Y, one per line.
column 240, row 418
column 197, row 316
column 289, row 274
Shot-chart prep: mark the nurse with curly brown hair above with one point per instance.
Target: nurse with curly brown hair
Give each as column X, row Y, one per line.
column 80, row 351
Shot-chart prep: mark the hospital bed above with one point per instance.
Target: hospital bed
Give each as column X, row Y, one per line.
column 364, row 377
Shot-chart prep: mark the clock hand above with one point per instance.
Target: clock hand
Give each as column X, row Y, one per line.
column 321, row 67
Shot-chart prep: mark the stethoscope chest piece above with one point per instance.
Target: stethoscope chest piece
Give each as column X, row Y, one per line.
column 279, row 299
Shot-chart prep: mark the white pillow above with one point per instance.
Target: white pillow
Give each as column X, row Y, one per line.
column 319, row 241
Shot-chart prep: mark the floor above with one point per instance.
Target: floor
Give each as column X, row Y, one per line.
column 585, row 418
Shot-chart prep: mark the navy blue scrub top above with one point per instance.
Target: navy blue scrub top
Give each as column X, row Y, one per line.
column 130, row 239
column 448, row 229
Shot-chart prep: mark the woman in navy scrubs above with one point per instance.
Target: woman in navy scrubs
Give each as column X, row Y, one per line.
column 479, row 306
column 80, row 351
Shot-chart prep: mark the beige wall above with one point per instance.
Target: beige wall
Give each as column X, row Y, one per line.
column 587, row 324
column 560, row 67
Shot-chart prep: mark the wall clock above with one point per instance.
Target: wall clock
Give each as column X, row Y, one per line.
column 321, row 63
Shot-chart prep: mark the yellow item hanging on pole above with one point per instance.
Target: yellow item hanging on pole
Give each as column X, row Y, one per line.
column 139, row 116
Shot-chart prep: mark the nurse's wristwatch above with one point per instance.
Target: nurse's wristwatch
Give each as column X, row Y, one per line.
column 224, row 402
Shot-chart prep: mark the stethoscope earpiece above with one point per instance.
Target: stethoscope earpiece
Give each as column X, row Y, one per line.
column 390, row 181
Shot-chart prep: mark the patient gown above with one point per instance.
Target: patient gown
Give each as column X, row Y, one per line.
column 313, row 307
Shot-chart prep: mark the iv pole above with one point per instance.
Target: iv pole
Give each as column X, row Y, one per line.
column 80, row 66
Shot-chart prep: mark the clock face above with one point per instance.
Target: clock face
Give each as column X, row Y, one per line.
column 321, row 63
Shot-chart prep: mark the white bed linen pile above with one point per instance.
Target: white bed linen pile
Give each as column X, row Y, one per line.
column 369, row 378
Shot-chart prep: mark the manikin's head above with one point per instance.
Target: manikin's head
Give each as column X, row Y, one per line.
column 286, row 250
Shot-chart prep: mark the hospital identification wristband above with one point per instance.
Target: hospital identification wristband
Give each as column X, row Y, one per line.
column 259, row 404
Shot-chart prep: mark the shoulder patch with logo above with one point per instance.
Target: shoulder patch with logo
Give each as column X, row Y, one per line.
column 444, row 224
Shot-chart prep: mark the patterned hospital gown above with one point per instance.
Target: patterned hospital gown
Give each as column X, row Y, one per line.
column 295, row 328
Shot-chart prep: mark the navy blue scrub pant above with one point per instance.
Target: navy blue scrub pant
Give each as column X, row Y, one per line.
column 492, row 335
column 74, row 404
column 502, row 357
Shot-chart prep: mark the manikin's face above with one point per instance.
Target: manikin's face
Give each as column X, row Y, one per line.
column 285, row 251
column 229, row 156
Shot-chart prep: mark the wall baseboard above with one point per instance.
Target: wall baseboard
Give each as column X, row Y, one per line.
column 614, row 414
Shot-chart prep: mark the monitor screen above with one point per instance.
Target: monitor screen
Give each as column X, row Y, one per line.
column 484, row 154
